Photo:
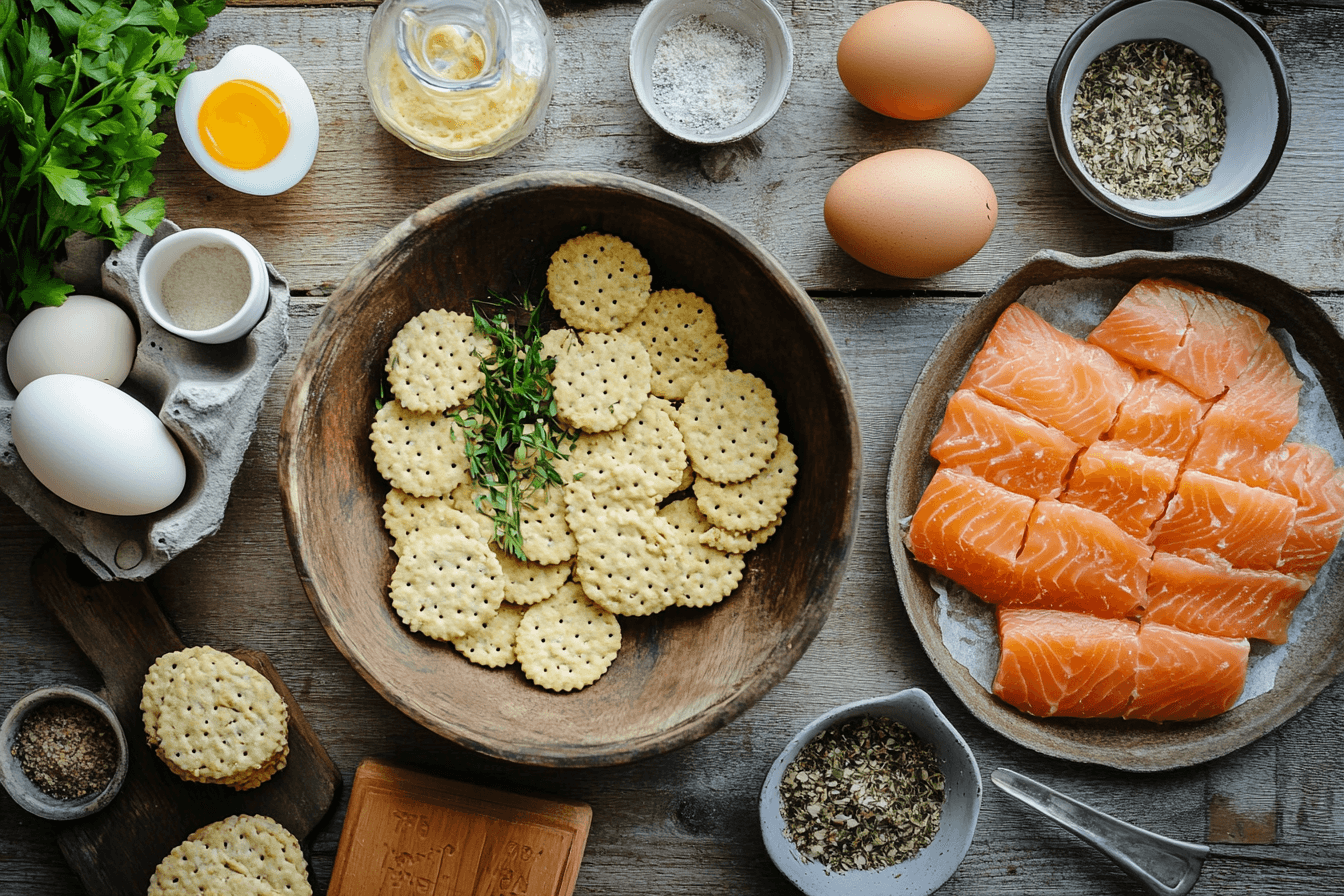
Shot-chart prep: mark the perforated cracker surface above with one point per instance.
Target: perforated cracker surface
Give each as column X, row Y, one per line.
column 567, row 642
column 446, row 585
column 434, row 362
column 598, row 282
column 731, row 425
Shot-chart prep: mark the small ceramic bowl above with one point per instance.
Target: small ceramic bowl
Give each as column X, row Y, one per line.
column 160, row 259
column 928, row 869
column 1255, row 96
column 27, row 794
column 757, row 20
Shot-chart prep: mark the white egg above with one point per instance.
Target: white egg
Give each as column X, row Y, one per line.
column 249, row 122
column 96, row 447
column 87, row 335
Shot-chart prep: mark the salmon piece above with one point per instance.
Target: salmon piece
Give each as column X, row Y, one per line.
column 1245, row 525
column 1198, row 338
column 1158, row 417
column 1007, row 448
column 971, row 530
column 1250, row 422
column 1075, row 559
column 1031, row 367
column 1215, row 598
column 1307, row 474
column 1129, row 488
column 1183, row 676
column 1053, row 663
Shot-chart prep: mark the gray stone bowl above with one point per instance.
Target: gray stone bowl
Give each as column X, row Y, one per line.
column 927, row 870
column 27, row 794
column 207, row 395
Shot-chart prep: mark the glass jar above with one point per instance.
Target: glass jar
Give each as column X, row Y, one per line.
column 459, row 79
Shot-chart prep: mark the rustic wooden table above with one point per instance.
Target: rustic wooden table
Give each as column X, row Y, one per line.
column 686, row 822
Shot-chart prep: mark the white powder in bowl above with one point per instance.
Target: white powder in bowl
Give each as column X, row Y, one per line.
column 707, row 76
column 206, row 287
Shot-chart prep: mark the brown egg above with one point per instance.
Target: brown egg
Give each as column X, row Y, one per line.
column 916, row 59
column 912, row 212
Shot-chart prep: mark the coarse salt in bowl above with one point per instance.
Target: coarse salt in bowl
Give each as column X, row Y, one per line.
column 713, row 55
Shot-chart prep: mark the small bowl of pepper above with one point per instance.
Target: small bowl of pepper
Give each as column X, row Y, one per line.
column 63, row 753
column 1169, row 113
column 876, row 796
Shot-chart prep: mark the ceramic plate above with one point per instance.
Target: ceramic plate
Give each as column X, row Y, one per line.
column 1311, row 660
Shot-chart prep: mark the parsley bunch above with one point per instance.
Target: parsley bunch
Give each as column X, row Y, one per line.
column 513, row 438
column 81, row 83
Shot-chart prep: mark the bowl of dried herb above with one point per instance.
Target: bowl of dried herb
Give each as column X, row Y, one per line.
column 1169, row 113
column 63, row 753
column 876, row 796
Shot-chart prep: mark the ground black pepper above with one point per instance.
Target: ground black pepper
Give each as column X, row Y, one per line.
column 67, row 749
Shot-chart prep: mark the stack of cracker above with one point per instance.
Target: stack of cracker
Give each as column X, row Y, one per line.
column 214, row 719
column 677, row 471
column 243, row 855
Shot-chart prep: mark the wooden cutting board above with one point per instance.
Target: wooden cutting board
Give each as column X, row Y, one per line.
column 121, row 629
column 407, row 831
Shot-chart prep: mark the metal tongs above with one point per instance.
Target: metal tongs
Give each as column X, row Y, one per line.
column 1164, row 866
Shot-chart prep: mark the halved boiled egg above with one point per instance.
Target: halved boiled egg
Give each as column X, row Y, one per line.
column 249, row 122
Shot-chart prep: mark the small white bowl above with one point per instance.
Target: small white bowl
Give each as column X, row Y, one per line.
column 928, row 869
column 1255, row 95
column 755, row 19
column 26, row 793
column 164, row 253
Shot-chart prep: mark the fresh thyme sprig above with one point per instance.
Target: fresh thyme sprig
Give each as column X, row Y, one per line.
column 512, row 437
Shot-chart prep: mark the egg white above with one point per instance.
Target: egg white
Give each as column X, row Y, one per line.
column 269, row 68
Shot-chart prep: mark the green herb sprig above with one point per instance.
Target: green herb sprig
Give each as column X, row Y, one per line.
column 81, row 84
column 512, row 437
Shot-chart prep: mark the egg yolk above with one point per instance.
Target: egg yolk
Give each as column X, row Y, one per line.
column 243, row 124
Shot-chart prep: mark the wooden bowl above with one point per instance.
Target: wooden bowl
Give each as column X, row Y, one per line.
column 1314, row 656
column 680, row 674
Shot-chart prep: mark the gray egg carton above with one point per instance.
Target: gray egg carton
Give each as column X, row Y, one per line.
column 207, row 395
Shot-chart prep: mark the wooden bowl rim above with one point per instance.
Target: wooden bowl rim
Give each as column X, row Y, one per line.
column 805, row 625
column 1128, row 746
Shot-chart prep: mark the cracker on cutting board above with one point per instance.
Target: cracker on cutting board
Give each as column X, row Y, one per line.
column 434, row 363
column 421, row 454
column 567, row 642
column 752, row 503
column 601, row 381
column 681, row 333
column 446, row 585
column 598, row 282
column 213, row 718
column 731, row 425
column 242, row 855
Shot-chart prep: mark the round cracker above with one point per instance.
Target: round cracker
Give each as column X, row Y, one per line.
column 601, row 381
column 192, row 869
column 701, row 576
column 753, row 503
column 492, row 646
column 567, row 642
column 435, row 361
column 598, row 282
column 405, row 515
column 529, row 583
column 623, row 566
column 682, row 336
column 731, row 425
column 446, row 585
column 421, row 454
column 651, row 442
column 734, row 542
column 261, row 848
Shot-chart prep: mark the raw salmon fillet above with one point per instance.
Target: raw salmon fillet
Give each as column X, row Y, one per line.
column 1200, row 339
column 1308, row 475
column 1075, row 559
column 1245, row 525
column 1031, row 367
column 971, row 530
column 1158, row 417
column 1250, row 422
column 1183, row 676
column 1053, row 663
column 1129, row 488
column 1214, row 598
column 1007, row 448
